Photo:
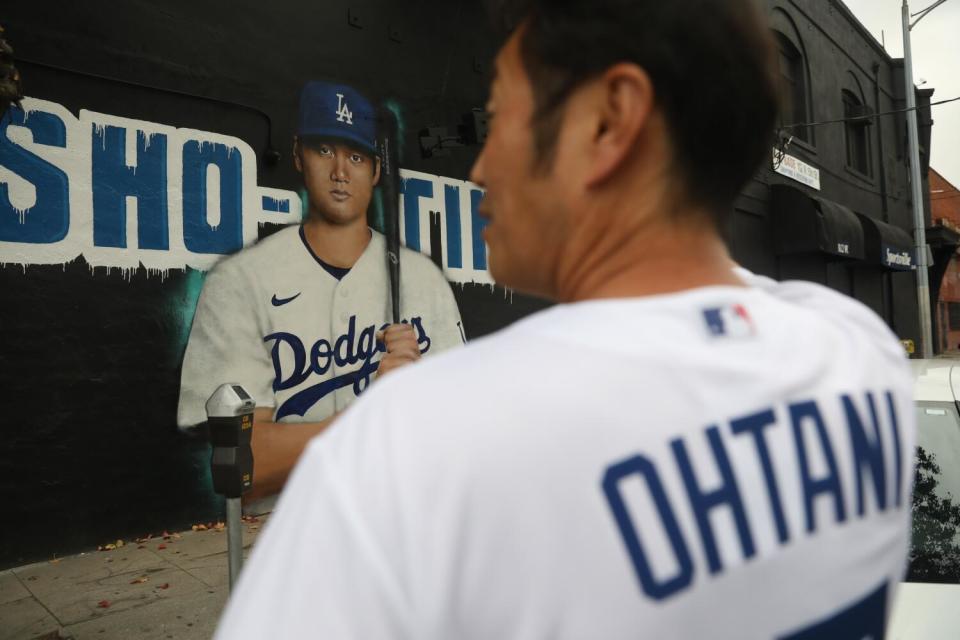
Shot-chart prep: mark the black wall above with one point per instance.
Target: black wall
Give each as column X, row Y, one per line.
column 90, row 376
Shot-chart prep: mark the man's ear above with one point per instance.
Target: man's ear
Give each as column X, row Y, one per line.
column 296, row 155
column 623, row 101
column 376, row 171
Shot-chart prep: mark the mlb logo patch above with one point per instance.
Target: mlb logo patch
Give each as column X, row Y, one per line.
column 732, row 321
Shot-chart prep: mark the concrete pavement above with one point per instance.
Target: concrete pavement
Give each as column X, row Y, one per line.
column 165, row 587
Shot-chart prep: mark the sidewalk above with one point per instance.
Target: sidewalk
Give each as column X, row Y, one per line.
column 171, row 587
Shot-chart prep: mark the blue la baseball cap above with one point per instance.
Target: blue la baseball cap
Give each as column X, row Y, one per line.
column 337, row 111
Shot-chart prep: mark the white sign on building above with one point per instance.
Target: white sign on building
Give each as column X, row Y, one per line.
column 796, row 169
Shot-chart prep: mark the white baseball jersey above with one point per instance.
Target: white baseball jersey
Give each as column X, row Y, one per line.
column 724, row 462
column 297, row 339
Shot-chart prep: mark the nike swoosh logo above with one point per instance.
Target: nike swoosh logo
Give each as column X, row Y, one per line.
column 279, row 302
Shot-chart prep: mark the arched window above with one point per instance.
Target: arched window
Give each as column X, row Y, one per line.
column 793, row 87
column 857, row 121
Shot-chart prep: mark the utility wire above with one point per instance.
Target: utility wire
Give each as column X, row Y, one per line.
column 864, row 117
column 923, row 12
column 785, row 139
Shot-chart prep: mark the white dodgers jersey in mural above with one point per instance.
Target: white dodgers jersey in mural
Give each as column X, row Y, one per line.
column 723, row 463
column 297, row 338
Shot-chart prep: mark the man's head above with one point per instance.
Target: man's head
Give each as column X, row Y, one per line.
column 594, row 99
column 335, row 150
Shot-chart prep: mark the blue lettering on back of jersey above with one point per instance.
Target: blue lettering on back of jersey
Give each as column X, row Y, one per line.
column 864, row 620
column 755, row 424
column 704, row 501
column 805, row 413
column 865, row 453
column 645, row 470
column 819, row 479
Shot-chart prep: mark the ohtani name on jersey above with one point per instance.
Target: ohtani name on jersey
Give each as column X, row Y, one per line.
column 803, row 469
column 347, row 350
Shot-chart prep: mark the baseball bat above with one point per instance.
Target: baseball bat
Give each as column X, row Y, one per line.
column 390, row 186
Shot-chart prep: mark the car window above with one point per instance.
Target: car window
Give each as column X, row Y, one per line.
column 935, row 544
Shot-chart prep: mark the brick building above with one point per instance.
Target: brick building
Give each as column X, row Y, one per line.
column 945, row 212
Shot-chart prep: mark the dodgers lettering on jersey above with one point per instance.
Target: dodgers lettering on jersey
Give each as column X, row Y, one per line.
column 871, row 421
column 344, row 351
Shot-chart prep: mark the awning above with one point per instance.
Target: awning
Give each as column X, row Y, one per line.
column 807, row 224
column 887, row 245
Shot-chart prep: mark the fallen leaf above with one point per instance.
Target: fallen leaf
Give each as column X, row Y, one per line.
column 165, row 585
column 176, row 536
column 109, row 547
column 199, row 527
column 161, row 546
column 119, row 543
column 104, row 604
column 140, row 580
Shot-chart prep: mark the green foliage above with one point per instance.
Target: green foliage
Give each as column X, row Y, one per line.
column 934, row 549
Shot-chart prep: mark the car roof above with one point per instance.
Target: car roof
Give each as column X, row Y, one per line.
column 936, row 379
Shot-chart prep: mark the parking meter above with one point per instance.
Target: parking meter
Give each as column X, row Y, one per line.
column 230, row 421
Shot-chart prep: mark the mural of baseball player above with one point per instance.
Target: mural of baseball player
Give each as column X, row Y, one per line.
column 302, row 318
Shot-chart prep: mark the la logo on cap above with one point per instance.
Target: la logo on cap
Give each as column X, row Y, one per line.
column 343, row 110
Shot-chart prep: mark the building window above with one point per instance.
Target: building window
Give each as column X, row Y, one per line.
column 793, row 87
column 857, row 124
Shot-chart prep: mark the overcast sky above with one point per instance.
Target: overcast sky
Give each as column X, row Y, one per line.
column 936, row 59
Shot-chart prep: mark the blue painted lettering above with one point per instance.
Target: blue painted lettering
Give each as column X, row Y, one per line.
column 113, row 181
column 413, row 189
column 454, row 248
column 48, row 220
column 479, row 246
column 199, row 235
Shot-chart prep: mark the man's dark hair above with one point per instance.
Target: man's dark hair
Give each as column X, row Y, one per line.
column 710, row 62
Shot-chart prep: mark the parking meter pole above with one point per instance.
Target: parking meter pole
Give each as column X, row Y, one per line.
column 234, row 540
column 230, row 419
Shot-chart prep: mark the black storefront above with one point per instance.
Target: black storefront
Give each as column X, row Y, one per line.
column 823, row 241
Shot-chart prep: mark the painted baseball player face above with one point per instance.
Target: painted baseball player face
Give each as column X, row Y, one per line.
column 339, row 180
column 524, row 201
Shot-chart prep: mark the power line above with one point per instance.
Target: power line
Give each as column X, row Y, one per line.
column 864, row 117
column 786, row 139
